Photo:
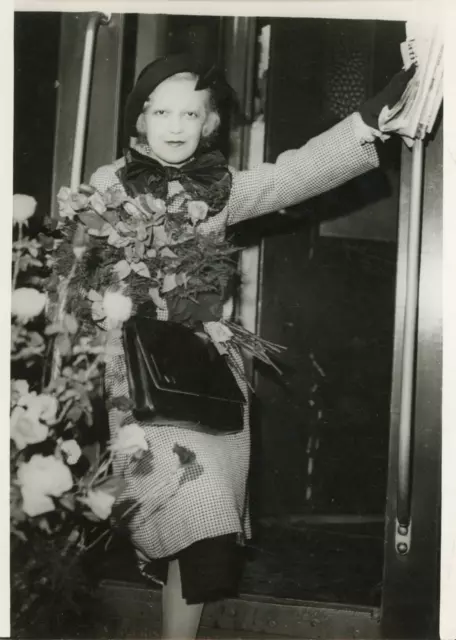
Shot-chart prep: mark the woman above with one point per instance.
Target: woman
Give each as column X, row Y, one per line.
column 188, row 537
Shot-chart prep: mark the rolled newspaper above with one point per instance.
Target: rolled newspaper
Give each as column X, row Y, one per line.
column 414, row 115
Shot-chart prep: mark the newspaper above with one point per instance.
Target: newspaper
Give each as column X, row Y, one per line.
column 414, row 115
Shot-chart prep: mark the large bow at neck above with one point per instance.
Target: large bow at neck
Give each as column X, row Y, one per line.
column 206, row 177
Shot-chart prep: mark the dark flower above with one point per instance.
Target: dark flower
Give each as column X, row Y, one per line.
column 205, row 307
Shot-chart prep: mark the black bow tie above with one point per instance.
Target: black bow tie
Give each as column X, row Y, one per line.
column 206, row 178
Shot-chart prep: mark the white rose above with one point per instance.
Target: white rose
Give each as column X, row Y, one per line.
column 130, row 440
column 132, row 209
column 197, row 210
column 26, row 303
column 25, row 428
column 48, row 407
column 19, row 389
column 117, row 307
column 97, row 203
column 43, row 406
column 23, row 208
column 26, row 399
column 35, row 503
column 100, row 503
column 72, row 451
column 45, row 475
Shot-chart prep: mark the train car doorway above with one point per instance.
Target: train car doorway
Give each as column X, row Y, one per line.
column 324, row 559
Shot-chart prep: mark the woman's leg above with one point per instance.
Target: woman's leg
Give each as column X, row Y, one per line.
column 180, row 620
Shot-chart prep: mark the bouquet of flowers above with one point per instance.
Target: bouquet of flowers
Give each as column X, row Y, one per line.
column 160, row 254
column 63, row 487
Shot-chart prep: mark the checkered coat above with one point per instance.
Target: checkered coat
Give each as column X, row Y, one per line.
column 207, row 497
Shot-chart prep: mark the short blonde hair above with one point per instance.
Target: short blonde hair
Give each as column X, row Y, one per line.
column 210, row 126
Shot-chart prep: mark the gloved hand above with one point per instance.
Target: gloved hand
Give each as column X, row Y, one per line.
column 388, row 97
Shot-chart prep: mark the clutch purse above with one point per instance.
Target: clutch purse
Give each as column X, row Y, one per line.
column 176, row 376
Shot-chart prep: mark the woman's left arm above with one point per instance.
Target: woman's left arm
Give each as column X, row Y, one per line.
column 323, row 163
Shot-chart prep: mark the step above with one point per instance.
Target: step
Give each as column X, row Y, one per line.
column 132, row 610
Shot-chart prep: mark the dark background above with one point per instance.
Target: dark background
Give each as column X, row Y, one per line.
column 36, row 49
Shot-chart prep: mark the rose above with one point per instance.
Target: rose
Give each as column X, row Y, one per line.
column 71, row 202
column 150, row 206
column 197, row 210
column 132, row 209
column 64, row 203
column 25, row 428
column 46, row 475
column 43, row 407
column 117, row 307
column 19, row 389
column 72, row 451
column 26, row 303
column 97, row 203
column 114, row 197
column 46, row 406
column 205, row 307
column 23, row 208
column 100, row 503
column 130, row 440
column 78, row 201
column 35, row 503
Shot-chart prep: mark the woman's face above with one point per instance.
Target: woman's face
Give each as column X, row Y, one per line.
column 174, row 120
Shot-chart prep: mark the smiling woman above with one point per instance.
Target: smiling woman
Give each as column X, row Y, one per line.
column 175, row 118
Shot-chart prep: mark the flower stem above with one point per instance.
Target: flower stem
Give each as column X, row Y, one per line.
column 93, row 367
column 102, row 469
column 57, row 359
column 69, row 403
column 17, row 262
column 96, row 541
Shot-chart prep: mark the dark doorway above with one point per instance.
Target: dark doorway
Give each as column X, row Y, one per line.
column 328, row 270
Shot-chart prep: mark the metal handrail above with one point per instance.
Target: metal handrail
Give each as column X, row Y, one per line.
column 404, row 482
column 84, row 93
column 79, row 139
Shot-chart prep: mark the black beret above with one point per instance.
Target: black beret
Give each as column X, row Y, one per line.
column 160, row 69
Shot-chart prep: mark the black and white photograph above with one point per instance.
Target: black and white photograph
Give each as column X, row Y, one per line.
column 225, row 333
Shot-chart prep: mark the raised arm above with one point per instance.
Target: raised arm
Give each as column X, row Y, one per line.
column 325, row 162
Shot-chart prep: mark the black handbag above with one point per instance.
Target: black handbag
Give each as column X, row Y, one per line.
column 177, row 376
